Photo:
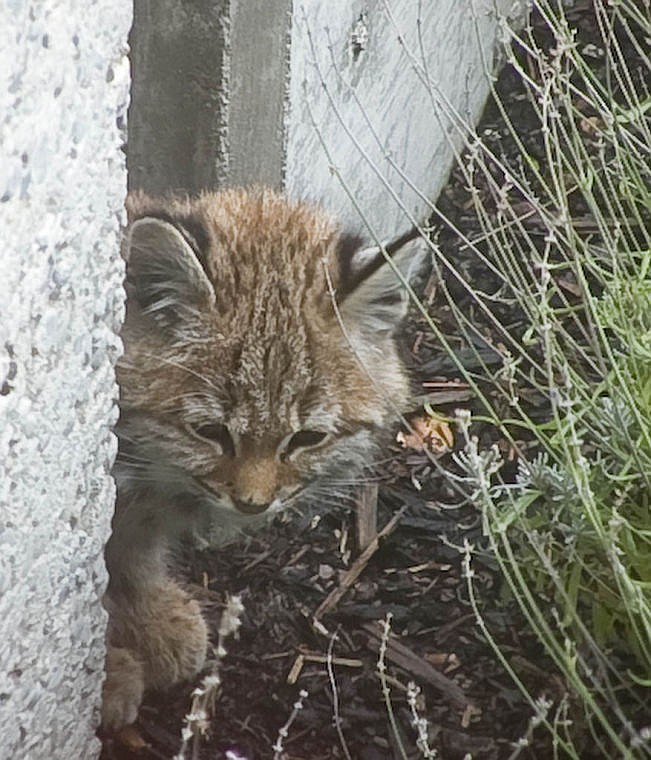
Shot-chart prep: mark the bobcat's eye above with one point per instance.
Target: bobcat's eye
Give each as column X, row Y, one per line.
column 217, row 433
column 304, row 439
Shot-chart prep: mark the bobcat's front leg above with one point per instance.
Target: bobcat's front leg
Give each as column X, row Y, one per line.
column 156, row 634
column 157, row 637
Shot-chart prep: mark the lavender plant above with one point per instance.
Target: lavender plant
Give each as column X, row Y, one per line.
column 565, row 230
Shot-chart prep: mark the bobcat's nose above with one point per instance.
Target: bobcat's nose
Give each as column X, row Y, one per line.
column 250, row 507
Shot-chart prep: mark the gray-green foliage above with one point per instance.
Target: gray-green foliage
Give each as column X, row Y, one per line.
column 569, row 239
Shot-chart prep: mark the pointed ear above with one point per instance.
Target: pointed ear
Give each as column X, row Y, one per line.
column 374, row 297
column 164, row 272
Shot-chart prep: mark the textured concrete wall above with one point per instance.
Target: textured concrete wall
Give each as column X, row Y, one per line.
column 301, row 95
column 63, row 85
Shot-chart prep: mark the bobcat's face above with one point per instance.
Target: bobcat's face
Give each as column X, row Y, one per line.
column 259, row 361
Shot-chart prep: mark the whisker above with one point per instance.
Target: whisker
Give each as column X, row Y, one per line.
column 359, row 481
column 178, row 365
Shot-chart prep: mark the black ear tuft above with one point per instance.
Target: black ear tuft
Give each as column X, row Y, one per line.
column 373, row 298
column 347, row 246
column 196, row 235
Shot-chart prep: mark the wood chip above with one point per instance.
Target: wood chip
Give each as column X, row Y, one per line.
column 447, row 662
column 296, row 669
column 346, row 662
column 366, row 515
column 471, row 712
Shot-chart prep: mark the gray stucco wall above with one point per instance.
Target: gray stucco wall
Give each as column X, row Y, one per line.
column 63, row 84
column 377, row 91
column 283, row 93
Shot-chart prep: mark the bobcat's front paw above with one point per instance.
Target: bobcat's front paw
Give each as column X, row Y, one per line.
column 174, row 648
column 163, row 627
column 123, row 688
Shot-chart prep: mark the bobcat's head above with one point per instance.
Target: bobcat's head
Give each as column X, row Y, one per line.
column 260, row 360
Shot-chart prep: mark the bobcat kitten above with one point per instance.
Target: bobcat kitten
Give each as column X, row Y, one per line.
column 243, row 390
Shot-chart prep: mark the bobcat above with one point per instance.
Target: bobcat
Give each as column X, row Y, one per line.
column 259, row 362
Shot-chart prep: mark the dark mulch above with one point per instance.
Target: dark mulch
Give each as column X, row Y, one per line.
column 286, row 572
column 284, row 575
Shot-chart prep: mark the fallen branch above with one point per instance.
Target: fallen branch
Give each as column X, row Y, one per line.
column 416, row 666
column 333, row 598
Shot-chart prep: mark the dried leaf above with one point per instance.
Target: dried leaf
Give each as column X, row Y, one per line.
column 130, row 737
column 427, row 433
column 571, row 285
column 590, row 125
